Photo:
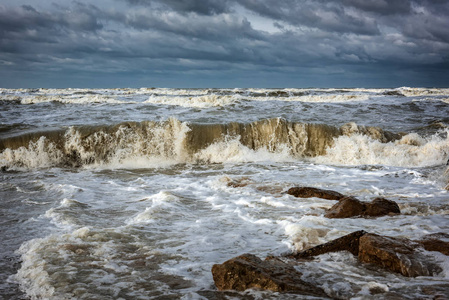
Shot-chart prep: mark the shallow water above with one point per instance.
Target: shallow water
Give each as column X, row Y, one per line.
column 136, row 193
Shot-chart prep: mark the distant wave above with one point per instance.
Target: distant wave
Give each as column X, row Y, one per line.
column 203, row 98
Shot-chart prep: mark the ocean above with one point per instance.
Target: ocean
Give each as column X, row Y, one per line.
column 136, row 193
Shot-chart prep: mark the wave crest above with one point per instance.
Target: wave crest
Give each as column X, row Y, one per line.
column 156, row 144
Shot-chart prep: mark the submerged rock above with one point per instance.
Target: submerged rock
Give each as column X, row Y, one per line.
column 398, row 255
column 309, row 192
column 248, row 271
column 436, row 242
column 351, row 207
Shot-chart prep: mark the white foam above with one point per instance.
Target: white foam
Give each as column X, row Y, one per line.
column 369, row 286
column 50, row 265
column 230, row 150
column 410, row 151
column 39, row 154
column 176, row 92
column 72, row 203
column 159, row 201
column 271, row 201
column 203, row 101
column 307, row 232
column 69, row 99
column 413, row 92
column 317, row 97
column 336, row 98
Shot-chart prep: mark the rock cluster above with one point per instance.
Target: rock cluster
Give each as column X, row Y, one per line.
column 351, row 207
column 403, row 256
column 283, row 274
column 394, row 254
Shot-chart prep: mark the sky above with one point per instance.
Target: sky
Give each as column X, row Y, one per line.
column 224, row 43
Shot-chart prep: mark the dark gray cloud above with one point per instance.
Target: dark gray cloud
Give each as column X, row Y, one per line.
column 324, row 15
column 381, row 7
column 178, row 42
column 204, row 7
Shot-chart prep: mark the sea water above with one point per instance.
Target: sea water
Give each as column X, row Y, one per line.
column 136, row 193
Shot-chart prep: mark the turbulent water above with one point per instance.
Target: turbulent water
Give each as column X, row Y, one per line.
column 136, row 193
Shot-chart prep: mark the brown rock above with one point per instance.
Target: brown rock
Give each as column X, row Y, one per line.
column 349, row 242
column 351, row 207
column 346, row 208
column 397, row 255
column 309, row 192
column 248, row 271
column 381, row 207
column 436, row 242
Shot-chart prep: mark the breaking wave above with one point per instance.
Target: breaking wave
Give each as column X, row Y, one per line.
column 159, row 144
column 411, row 150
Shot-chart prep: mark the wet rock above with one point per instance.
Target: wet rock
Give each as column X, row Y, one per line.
column 247, row 271
column 309, row 192
column 381, row 207
column 436, row 242
column 398, row 255
column 346, row 208
column 351, row 207
column 349, row 242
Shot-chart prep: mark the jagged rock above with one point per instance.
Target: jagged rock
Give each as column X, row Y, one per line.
column 349, row 242
column 351, row 207
column 309, row 192
column 436, row 242
column 248, row 271
column 398, row 255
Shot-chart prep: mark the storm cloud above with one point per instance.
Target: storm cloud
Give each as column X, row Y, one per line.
column 229, row 43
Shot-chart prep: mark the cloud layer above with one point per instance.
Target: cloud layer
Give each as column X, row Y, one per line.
column 197, row 43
